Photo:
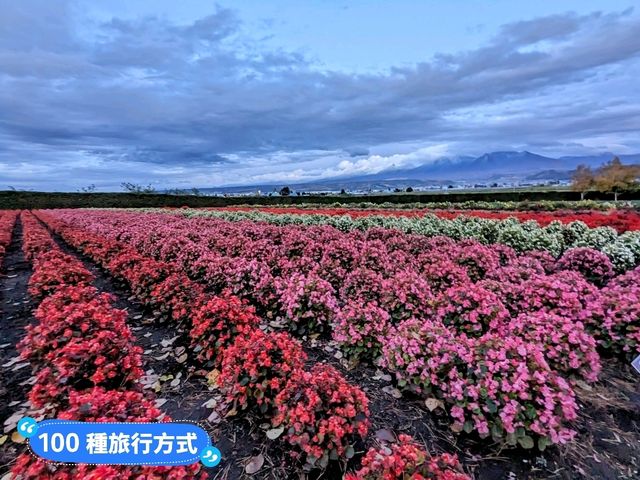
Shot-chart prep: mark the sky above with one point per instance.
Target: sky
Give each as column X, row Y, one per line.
column 201, row 94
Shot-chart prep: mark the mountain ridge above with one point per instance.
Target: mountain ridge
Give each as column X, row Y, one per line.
column 492, row 166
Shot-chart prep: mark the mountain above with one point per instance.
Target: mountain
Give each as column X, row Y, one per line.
column 471, row 169
column 546, row 175
column 491, row 167
column 598, row 160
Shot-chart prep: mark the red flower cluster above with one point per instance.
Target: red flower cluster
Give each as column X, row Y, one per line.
column 54, row 269
column 175, row 296
column 407, row 460
column 322, row 414
column 86, row 360
column 256, row 368
column 70, row 313
column 217, row 323
column 80, row 340
column 7, row 221
column 100, row 405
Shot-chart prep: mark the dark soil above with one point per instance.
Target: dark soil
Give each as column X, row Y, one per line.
column 15, row 314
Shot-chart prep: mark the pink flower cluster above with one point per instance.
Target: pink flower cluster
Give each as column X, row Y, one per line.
column 377, row 292
column 499, row 386
column 595, row 266
column 307, row 302
column 616, row 315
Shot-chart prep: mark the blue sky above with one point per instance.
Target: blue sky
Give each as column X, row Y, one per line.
column 195, row 93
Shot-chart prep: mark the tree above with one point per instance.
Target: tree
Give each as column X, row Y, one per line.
column 614, row 177
column 343, row 192
column 409, row 189
column 137, row 188
column 582, row 180
column 285, row 191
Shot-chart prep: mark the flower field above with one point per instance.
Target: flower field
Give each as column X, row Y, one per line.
column 620, row 220
column 622, row 249
column 501, row 332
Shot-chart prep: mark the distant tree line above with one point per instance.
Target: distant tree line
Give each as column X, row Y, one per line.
column 612, row 177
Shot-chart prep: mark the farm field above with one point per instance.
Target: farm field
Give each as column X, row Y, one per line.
column 331, row 343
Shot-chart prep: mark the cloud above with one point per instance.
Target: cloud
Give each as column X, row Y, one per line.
column 202, row 103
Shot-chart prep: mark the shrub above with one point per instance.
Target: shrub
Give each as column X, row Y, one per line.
column 405, row 294
column 307, row 302
column 107, row 359
column 60, row 321
column 595, row 266
column 100, row 405
column 564, row 293
column 568, row 347
column 362, row 284
column 477, row 259
column 217, row 323
column 360, row 330
column 443, row 275
column 322, row 414
column 471, row 309
column 144, row 277
column 407, row 460
column 175, row 296
column 509, row 391
column 495, row 386
column 53, row 269
column 255, row 368
column 616, row 319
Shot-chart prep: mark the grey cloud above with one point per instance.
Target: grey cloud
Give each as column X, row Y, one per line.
column 207, row 97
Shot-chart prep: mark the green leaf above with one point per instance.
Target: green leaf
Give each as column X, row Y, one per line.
column 349, row 452
column 496, row 432
column 468, row 426
column 526, row 442
column 543, row 442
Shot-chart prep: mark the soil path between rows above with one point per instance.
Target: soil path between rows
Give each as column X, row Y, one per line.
column 15, row 314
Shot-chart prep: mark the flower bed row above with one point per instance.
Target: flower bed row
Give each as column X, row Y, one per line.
column 514, row 206
column 7, row 222
column 555, row 238
column 316, row 412
column 620, row 220
column 424, row 308
column 84, row 358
